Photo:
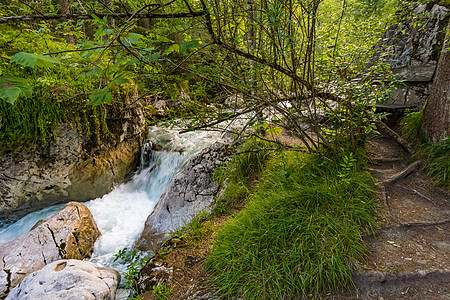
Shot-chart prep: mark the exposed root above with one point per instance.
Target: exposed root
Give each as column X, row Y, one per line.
column 404, row 173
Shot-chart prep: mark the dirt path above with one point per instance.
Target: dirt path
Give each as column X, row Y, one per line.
column 409, row 257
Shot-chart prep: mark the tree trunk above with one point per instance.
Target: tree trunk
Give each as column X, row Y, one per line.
column 436, row 118
column 64, row 10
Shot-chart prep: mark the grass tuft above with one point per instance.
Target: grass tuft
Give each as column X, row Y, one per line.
column 437, row 163
column 299, row 233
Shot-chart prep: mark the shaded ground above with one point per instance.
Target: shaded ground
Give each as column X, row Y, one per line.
column 408, row 258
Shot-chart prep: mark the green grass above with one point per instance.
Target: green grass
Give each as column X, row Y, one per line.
column 436, row 156
column 238, row 174
column 298, row 234
column 437, row 163
column 410, row 126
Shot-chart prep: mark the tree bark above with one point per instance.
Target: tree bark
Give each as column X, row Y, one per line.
column 64, row 10
column 436, row 118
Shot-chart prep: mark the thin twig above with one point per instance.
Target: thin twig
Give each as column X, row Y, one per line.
column 81, row 50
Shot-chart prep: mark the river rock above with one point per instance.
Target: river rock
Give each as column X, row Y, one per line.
column 70, row 233
column 189, row 192
column 411, row 48
column 68, row 279
column 77, row 166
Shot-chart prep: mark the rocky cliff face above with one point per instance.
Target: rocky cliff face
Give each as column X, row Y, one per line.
column 78, row 166
column 411, row 48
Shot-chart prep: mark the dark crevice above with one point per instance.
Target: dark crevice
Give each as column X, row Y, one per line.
column 75, row 235
column 43, row 256
column 62, row 252
column 78, row 211
column 8, row 280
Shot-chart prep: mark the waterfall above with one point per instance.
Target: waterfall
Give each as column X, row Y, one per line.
column 121, row 214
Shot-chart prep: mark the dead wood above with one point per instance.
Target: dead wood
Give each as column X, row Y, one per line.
column 401, row 141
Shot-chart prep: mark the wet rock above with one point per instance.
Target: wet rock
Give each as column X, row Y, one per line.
column 190, row 192
column 77, row 166
column 68, row 279
column 68, row 234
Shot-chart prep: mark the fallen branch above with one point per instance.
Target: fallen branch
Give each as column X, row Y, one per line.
column 401, row 141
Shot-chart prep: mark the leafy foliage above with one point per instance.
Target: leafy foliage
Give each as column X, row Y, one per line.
column 33, row 60
column 135, row 261
column 12, row 87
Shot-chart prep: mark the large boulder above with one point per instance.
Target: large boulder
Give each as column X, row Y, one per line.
column 77, row 166
column 70, row 233
column 68, row 279
column 189, row 192
column 411, row 48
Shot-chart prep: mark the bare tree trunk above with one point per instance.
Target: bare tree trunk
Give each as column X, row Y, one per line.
column 146, row 23
column 64, row 6
column 436, row 118
column 250, row 42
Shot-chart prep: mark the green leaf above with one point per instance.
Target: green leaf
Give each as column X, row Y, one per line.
column 95, row 70
column 11, row 88
column 10, row 94
column 173, row 48
column 100, row 96
column 119, row 80
column 33, row 60
column 188, row 45
column 162, row 39
column 154, row 56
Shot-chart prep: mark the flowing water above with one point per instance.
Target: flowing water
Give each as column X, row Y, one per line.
column 121, row 214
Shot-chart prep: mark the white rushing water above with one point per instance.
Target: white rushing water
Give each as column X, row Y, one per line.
column 121, row 214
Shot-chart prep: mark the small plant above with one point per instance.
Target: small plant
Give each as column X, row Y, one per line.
column 238, row 173
column 193, row 231
column 437, row 156
column 135, row 261
column 162, row 291
column 410, row 126
column 437, row 165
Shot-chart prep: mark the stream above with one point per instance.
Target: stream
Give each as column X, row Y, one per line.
column 121, row 214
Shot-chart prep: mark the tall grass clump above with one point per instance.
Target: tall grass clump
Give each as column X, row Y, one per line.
column 300, row 232
column 437, row 155
column 437, row 163
column 410, row 126
column 238, row 174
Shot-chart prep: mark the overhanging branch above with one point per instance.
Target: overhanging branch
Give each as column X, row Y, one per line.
column 15, row 19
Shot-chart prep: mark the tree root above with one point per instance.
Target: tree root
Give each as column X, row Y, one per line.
column 404, row 173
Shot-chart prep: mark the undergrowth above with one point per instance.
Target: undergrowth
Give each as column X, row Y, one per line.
column 299, row 233
column 238, row 174
column 436, row 156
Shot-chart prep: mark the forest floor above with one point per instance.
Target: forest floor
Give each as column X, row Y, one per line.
column 408, row 257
